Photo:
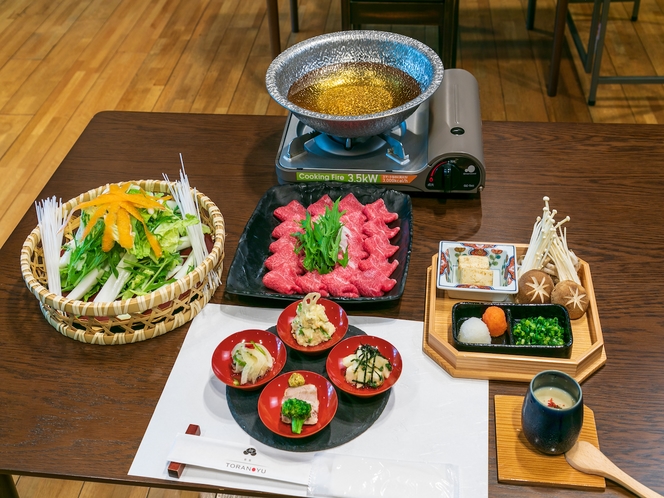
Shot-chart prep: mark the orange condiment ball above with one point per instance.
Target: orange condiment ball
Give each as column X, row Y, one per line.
column 494, row 318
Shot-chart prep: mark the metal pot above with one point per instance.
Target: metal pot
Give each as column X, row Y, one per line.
column 402, row 52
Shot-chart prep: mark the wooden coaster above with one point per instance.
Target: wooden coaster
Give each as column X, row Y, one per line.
column 520, row 463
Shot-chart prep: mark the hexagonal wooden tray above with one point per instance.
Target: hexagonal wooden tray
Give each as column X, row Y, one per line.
column 587, row 356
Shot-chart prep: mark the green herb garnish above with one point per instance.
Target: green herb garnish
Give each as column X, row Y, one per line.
column 541, row 331
column 321, row 241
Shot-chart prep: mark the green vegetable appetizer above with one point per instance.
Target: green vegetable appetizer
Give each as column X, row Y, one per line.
column 298, row 411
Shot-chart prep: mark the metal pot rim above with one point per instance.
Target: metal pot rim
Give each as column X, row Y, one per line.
column 359, row 35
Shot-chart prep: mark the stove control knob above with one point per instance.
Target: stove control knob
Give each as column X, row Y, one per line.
column 457, row 174
column 435, row 177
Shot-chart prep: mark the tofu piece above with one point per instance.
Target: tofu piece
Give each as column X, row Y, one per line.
column 308, row 393
column 480, row 262
column 476, row 276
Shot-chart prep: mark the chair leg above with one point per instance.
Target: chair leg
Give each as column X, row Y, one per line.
column 295, row 25
column 594, row 80
column 592, row 36
column 7, row 486
column 455, row 37
column 448, row 33
column 558, row 39
column 345, row 15
column 530, row 14
column 635, row 10
column 273, row 24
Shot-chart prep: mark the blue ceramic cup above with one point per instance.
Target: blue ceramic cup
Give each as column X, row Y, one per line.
column 552, row 412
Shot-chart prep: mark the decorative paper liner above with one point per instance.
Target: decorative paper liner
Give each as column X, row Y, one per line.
column 139, row 318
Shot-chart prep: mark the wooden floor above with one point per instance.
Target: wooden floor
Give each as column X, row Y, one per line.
column 62, row 61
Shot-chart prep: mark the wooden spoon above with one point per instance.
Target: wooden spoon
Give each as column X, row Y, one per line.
column 585, row 457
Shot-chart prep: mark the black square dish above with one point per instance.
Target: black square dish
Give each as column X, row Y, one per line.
column 245, row 276
column 514, row 313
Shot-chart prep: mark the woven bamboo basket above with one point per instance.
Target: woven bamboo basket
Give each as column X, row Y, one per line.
column 139, row 318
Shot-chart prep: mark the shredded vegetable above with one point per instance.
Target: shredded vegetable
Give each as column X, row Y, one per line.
column 100, row 263
column 51, row 223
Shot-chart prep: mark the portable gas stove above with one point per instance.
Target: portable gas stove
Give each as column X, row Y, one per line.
column 437, row 149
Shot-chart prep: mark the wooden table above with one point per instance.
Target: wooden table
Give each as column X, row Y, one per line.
column 78, row 411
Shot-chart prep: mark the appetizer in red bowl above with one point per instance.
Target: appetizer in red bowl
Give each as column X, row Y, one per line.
column 298, row 404
column 312, row 324
column 249, row 359
column 364, row 365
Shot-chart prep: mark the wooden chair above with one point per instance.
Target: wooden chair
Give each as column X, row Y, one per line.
column 441, row 13
column 591, row 57
column 273, row 23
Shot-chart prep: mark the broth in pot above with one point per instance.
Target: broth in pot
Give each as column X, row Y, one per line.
column 353, row 89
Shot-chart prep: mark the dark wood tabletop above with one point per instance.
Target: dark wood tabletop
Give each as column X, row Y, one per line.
column 79, row 411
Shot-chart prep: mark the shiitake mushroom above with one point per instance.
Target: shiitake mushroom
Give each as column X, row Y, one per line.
column 535, row 287
column 572, row 296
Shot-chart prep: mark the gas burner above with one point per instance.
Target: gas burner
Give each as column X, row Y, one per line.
column 438, row 148
column 317, row 143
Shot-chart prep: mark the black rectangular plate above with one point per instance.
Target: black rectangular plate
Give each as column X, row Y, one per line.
column 513, row 312
column 245, row 276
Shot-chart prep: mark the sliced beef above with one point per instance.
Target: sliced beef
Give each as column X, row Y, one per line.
column 378, row 263
column 373, row 283
column 380, row 246
column 338, row 282
column 286, row 259
column 367, row 236
column 285, row 243
column 378, row 211
column 293, row 211
column 350, row 204
column 318, row 207
column 282, row 281
column 312, row 281
column 354, row 221
column 379, row 227
column 287, row 228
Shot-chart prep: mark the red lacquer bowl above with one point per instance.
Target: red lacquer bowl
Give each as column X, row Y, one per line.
column 221, row 358
column 335, row 314
column 269, row 404
column 336, row 369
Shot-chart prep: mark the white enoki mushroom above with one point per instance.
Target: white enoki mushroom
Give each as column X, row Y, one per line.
column 548, row 250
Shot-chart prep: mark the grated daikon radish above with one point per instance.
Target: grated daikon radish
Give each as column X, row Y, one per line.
column 51, row 221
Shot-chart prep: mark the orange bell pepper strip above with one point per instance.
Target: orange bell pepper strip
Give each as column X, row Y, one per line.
column 116, row 206
column 107, row 240
column 126, row 239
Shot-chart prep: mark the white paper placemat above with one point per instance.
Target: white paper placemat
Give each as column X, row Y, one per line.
column 430, row 417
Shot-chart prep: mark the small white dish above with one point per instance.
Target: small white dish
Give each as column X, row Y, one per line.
column 502, row 263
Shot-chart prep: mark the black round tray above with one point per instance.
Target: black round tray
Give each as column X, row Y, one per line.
column 354, row 415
